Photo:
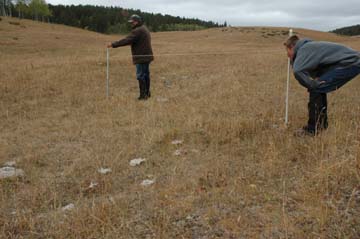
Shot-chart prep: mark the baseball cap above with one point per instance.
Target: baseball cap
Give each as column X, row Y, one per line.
column 135, row 18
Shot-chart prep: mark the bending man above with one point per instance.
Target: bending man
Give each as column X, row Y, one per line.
column 321, row 67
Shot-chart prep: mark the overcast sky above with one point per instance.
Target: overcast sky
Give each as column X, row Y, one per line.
column 322, row 15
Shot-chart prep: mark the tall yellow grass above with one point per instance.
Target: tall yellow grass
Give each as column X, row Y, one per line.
column 241, row 173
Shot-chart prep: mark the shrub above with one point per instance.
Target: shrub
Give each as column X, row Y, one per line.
column 15, row 23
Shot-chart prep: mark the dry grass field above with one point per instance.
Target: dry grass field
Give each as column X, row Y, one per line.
column 238, row 173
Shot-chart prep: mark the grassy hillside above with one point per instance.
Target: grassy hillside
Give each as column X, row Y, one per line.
column 239, row 173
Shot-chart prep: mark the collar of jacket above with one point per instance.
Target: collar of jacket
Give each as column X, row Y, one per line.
column 138, row 25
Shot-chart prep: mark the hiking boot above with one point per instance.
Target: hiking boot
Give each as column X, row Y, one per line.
column 305, row 131
column 142, row 88
column 144, row 97
column 147, row 87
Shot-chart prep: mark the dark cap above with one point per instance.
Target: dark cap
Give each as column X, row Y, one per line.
column 135, row 18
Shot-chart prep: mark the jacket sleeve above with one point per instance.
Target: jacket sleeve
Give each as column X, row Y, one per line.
column 303, row 65
column 130, row 39
column 305, row 80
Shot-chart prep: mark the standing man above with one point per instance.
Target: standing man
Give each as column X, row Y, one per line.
column 140, row 41
column 321, row 67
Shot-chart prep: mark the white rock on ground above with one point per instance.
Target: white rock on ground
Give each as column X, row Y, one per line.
column 104, row 170
column 10, row 172
column 177, row 142
column 178, row 152
column 69, row 207
column 93, row 185
column 136, row 162
column 147, row 182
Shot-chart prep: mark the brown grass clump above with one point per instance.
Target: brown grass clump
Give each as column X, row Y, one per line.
column 240, row 173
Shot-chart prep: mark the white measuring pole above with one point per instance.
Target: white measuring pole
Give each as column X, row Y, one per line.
column 287, row 88
column 107, row 73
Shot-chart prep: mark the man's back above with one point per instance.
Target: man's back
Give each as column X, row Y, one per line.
column 311, row 55
column 141, row 46
column 314, row 58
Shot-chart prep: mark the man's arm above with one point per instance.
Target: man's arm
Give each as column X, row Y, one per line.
column 305, row 80
column 304, row 63
column 130, row 39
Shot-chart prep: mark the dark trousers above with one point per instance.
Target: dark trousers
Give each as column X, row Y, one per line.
column 317, row 106
column 143, row 76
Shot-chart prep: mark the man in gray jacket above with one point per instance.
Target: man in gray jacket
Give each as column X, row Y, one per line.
column 140, row 41
column 321, row 67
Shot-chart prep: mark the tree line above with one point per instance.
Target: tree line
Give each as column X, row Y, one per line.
column 348, row 31
column 114, row 19
column 98, row 18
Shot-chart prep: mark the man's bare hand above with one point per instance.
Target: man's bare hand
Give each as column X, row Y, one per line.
column 109, row 45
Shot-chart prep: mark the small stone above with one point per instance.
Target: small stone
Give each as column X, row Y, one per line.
column 104, row 170
column 136, row 162
column 93, row 185
column 69, row 207
column 10, row 172
column 176, row 142
column 112, row 200
column 178, row 152
column 147, row 182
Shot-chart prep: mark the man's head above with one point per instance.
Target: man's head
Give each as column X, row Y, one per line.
column 135, row 20
column 290, row 45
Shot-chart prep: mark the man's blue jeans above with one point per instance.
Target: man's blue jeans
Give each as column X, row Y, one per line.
column 143, row 76
column 317, row 106
column 336, row 78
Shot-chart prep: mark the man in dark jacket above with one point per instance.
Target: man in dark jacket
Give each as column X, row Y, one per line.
column 321, row 67
column 140, row 41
